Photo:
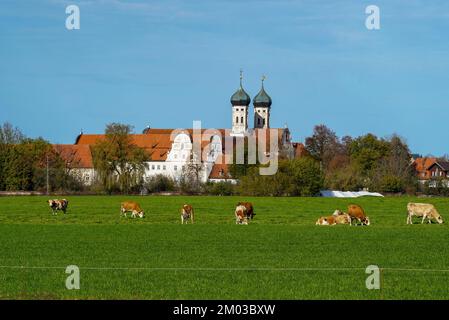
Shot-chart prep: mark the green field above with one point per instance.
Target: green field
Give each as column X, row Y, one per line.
column 280, row 255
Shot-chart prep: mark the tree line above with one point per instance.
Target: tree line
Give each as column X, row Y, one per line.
column 366, row 162
column 31, row 164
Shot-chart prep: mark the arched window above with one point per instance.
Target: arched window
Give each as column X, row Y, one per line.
column 241, row 119
column 263, row 121
column 236, row 119
column 258, row 121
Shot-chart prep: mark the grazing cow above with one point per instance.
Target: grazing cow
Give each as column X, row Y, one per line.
column 357, row 213
column 187, row 213
column 133, row 207
column 241, row 216
column 56, row 204
column 249, row 209
column 424, row 210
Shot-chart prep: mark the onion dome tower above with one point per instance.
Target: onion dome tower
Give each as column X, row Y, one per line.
column 240, row 101
column 262, row 105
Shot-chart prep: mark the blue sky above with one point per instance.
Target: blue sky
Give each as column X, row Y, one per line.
column 166, row 63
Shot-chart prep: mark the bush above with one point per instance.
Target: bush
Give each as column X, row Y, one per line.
column 297, row 177
column 160, row 183
column 436, row 187
column 392, row 184
column 219, row 188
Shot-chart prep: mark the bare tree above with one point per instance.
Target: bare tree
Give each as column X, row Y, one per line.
column 10, row 134
column 323, row 145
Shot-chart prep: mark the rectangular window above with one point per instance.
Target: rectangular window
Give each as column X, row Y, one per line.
column 175, row 168
column 236, row 119
column 164, row 167
column 152, row 167
column 158, row 167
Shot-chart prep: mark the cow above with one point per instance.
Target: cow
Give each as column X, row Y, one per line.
column 249, row 209
column 133, row 207
column 424, row 210
column 187, row 213
column 58, row 204
column 326, row 221
column 338, row 213
column 341, row 218
column 241, row 216
column 357, row 213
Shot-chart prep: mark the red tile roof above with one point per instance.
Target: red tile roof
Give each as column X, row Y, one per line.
column 220, row 169
column 422, row 166
column 75, row 156
column 157, row 143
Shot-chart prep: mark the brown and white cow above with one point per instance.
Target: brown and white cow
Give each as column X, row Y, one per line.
column 58, row 204
column 187, row 213
column 326, row 221
column 357, row 213
column 241, row 215
column 249, row 209
column 340, row 218
column 133, row 207
column 424, row 210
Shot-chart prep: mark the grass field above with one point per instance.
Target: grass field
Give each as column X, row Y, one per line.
column 280, row 255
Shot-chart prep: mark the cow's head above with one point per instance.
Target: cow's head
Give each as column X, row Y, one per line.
column 439, row 219
column 366, row 221
column 52, row 203
column 141, row 214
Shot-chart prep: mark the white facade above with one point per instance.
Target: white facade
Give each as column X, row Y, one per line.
column 84, row 175
column 179, row 156
column 239, row 120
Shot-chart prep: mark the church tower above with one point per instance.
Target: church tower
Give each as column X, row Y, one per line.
column 262, row 105
column 240, row 101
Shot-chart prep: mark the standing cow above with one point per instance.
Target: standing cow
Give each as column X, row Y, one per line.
column 56, row 204
column 187, row 213
column 357, row 213
column 241, row 215
column 133, row 207
column 249, row 209
column 424, row 210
